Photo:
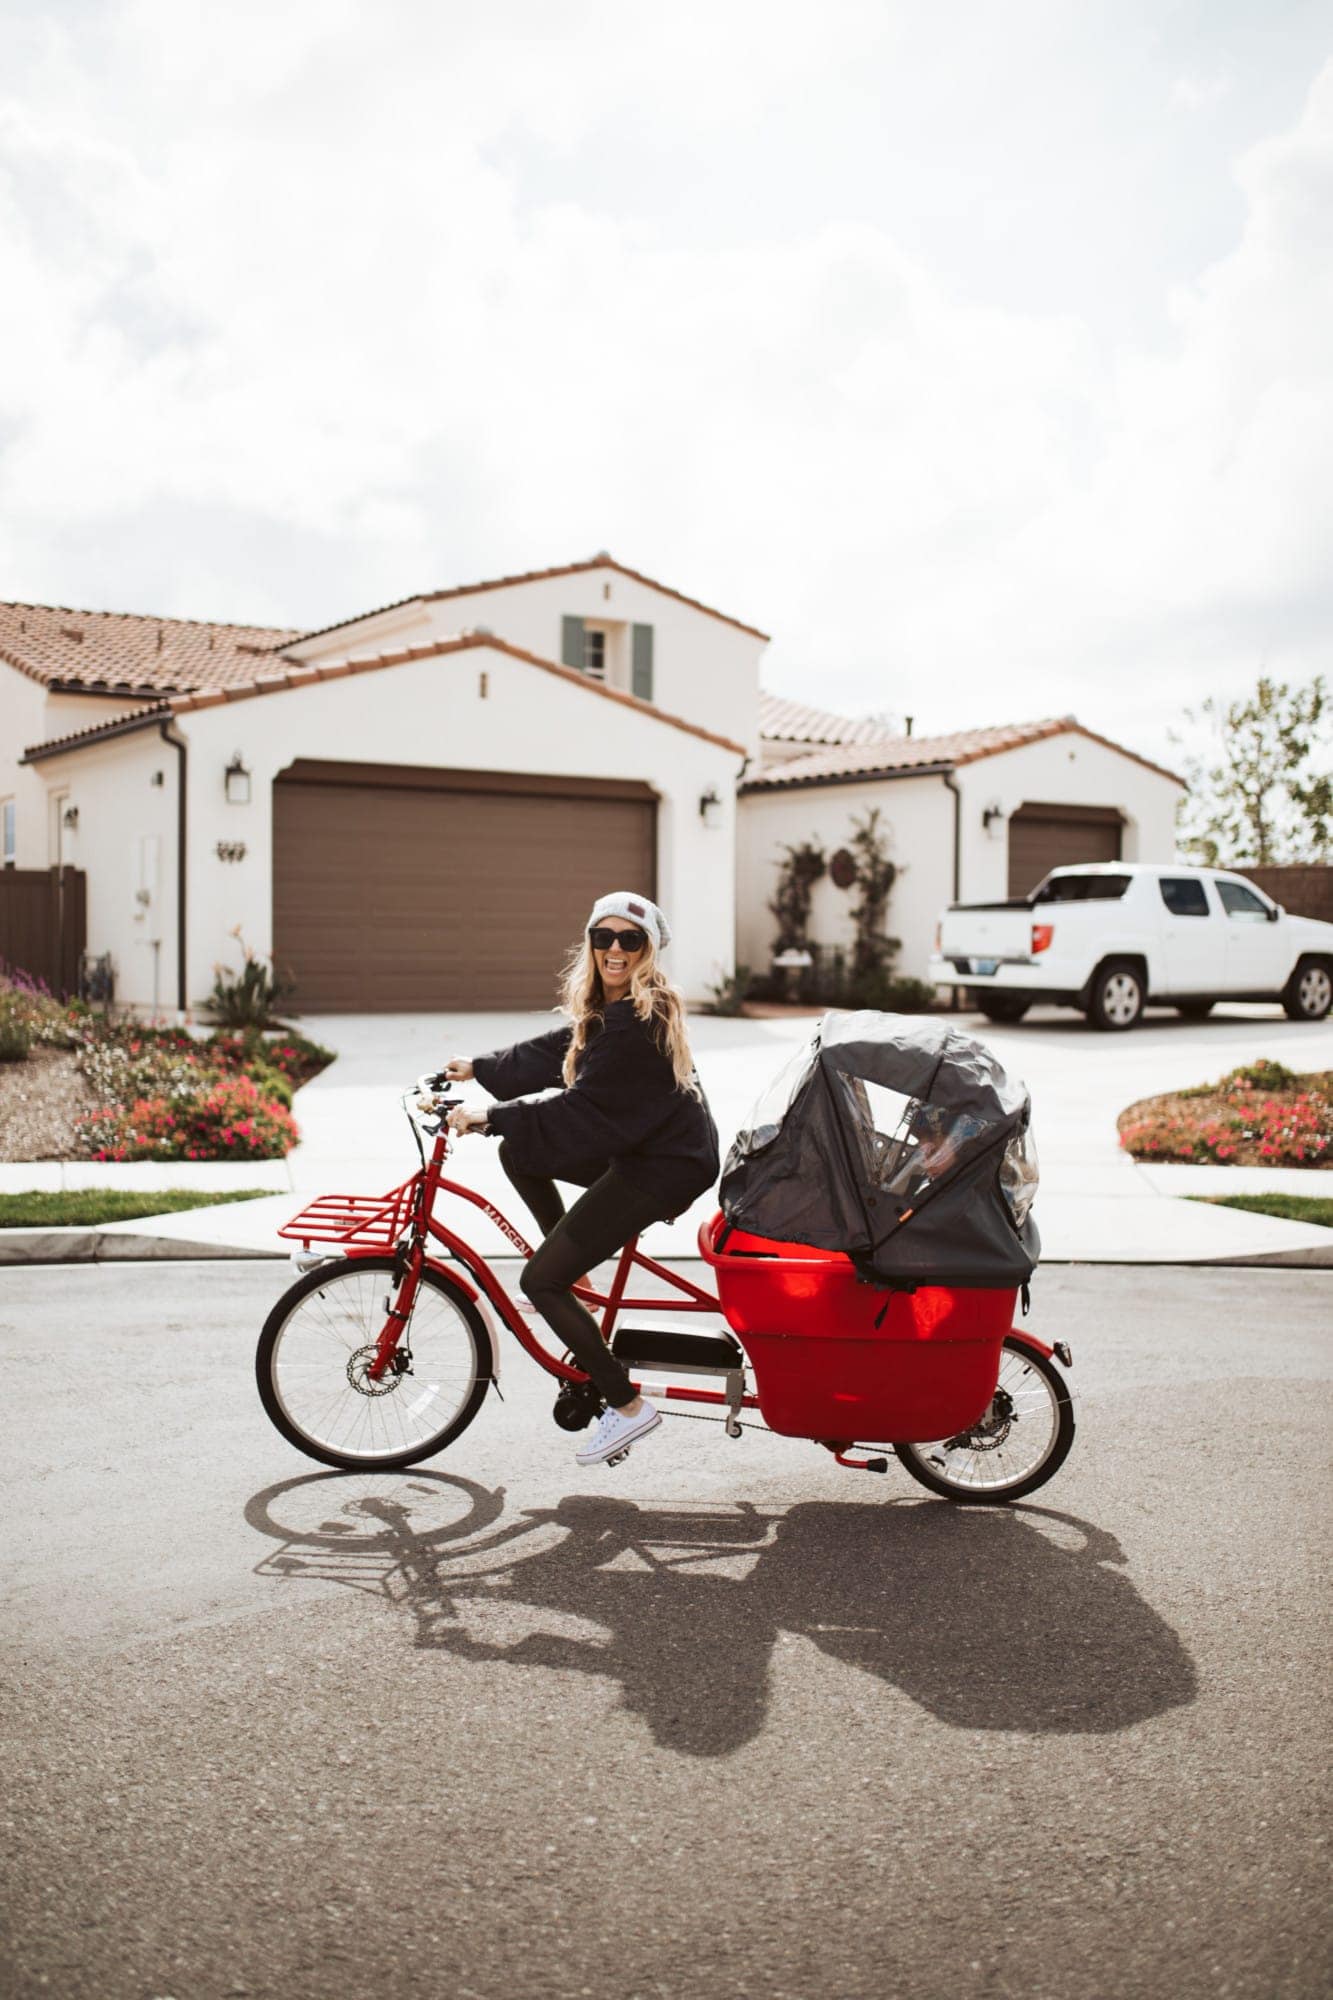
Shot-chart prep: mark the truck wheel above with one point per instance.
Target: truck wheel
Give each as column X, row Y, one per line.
column 1117, row 996
column 1309, row 993
column 1003, row 1006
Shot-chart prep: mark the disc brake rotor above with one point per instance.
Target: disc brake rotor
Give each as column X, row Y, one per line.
column 358, row 1374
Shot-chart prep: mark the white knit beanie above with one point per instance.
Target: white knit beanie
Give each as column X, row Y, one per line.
column 638, row 909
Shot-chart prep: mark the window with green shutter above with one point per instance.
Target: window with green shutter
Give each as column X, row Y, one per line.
column 642, row 662
column 571, row 642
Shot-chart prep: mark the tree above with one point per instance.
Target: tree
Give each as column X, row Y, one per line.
column 1264, row 795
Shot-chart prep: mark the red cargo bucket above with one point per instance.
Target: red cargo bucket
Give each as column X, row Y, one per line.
column 822, row 1367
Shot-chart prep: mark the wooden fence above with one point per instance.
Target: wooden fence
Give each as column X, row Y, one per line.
column 1306, row 889
column 43, row 913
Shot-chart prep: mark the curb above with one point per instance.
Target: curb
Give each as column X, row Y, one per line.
column 102, row 1246
column 105, row 1246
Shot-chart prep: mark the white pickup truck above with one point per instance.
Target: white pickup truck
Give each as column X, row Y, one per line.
column 1113, row 935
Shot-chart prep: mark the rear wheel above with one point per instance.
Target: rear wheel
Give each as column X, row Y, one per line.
column 1117, row 996
column 313, row 1360
column 1003, row 1006
column 1020, row 1442
column 1309, row 994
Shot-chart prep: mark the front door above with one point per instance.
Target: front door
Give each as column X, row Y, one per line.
column 1256, row 948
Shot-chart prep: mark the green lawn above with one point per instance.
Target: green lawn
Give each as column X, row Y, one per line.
column 1287, row 1207
column 92, row 1205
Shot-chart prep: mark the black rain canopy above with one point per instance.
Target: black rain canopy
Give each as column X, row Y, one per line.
column 900, row 1141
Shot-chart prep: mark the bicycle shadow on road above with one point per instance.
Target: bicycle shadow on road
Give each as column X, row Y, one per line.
column 1011, row 1619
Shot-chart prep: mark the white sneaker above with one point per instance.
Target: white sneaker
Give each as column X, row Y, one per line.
column 616, row 1432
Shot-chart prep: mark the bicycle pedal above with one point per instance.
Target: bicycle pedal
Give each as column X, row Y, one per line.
column 617, row 1457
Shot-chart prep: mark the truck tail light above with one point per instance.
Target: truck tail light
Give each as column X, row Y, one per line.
column 939, row 933
column 1041, row 937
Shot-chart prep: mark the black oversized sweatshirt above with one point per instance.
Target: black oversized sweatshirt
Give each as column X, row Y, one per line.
column 623, row 1110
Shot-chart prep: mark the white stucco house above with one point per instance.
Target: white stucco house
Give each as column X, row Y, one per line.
column 974, row 816
column 413, row 809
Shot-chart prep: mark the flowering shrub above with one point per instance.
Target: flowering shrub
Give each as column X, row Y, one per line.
column 163, row 1093
column 286, row 1054
column 231, row 1120
column 31, row 1013
column 1259, row 1115
column 125, row 1063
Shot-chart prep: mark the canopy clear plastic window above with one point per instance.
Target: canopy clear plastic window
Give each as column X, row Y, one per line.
column 907, row 1144
column 1019, row 1174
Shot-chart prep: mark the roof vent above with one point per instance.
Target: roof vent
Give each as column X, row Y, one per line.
column 72, row 632
column 603, row 555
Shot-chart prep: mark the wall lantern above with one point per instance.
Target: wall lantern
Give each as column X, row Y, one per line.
column 237, row 780
column 710, row 808
column 993, row 812
column 70, row 818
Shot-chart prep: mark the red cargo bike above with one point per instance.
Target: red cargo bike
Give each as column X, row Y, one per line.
column 382, row 1353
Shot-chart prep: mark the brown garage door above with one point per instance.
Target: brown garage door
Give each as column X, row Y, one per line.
column 1042, row 837
column 404, row 891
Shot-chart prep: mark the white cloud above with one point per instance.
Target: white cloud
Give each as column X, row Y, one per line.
column 312, row 318
column 1200, row 93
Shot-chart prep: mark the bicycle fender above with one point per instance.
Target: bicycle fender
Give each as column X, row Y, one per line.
column 449, row 1274
column 1026, row 1339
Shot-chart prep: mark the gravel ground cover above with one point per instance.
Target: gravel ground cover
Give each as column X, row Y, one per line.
column 40, row 1100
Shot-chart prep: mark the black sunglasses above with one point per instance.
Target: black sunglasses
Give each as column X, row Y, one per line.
column 604, row 940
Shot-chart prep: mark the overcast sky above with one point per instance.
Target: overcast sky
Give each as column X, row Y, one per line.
column 979, row 353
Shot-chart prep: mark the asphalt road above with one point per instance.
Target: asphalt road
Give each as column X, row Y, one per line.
column 725, row 1720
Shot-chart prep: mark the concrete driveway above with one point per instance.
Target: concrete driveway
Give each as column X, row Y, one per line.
column 1095, row 1206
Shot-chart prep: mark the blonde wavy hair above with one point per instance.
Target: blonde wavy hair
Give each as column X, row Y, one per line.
column 655, row 999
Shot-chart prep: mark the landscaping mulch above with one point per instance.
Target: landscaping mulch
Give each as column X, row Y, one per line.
column 40, row 1099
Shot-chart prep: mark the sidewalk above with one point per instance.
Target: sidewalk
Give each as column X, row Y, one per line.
column 1096, row 1205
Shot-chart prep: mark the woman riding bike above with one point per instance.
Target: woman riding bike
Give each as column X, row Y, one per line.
column 631, row 1126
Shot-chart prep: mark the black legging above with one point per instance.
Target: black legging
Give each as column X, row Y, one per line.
column 600, row 1223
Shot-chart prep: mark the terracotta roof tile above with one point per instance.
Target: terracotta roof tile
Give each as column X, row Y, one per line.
column 895, row 755
column 305, row 674
column 783, row 721
column 526, row 576
column 118, row 652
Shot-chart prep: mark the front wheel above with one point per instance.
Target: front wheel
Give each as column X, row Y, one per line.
column 1310, row 993
column 1020, row 1442
column 315, row 1351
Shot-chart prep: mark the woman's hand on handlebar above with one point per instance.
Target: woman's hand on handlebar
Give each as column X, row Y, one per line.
column 463, row 1120
column 458, row 1069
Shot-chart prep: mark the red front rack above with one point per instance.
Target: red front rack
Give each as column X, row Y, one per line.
column 368, row 1220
